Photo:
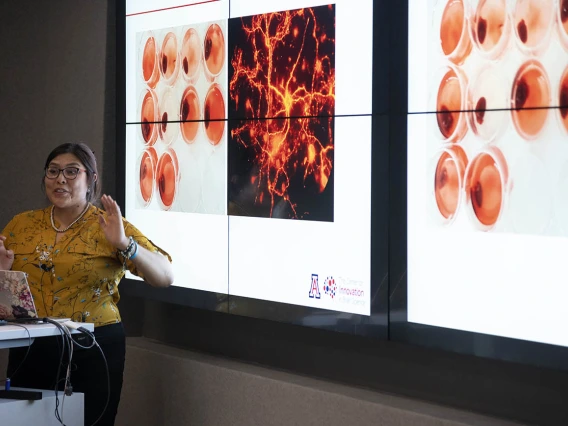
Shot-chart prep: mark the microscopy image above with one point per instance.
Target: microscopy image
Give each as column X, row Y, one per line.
column 287, row 174
column 281, row 106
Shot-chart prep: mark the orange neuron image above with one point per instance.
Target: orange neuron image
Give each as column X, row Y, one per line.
column 281, row 106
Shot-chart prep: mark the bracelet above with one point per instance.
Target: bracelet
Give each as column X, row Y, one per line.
column 130, row 251
column 126, row 252
column 133, row 255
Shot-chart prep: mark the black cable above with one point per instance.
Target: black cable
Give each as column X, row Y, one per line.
column 64, row 341
column 94, row 343
column 27, row 352
column 58, row 374
column 67, row 388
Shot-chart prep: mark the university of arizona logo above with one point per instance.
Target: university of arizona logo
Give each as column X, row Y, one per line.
column 314, row 288
column 330, row 287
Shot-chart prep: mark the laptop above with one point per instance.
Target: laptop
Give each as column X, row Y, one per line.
column 16, row 301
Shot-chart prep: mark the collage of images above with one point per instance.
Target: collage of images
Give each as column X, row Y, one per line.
column 236, row 116
column 498, row 142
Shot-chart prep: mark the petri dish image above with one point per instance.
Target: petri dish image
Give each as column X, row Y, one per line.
column 532, row 22
column 190, row 114
column 190, row 56
column 486, row 186
column 168, row 113
column 147, row 163
column 148, row 117
column 213, row 51
column 562, row 21
column 530, row 199
column 169, row 58
column 563, row 100
column 451, row 22
column 167, row 179
column 487, row 103
column 214, row 114
column 530, row 99
column 449, row 173
column 490, row 28
column 450, row 105
column 149, row 60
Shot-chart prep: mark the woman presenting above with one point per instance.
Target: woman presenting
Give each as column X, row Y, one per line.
column 75, row 254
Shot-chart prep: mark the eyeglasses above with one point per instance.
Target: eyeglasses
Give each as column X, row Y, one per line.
column 68, row 172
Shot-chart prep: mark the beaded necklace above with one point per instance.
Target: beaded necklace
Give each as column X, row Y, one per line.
column 71, row 224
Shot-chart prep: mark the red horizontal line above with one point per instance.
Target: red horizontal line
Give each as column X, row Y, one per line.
column 173, row 7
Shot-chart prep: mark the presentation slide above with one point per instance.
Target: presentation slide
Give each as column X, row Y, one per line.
column 488, row 167
column 248, row 151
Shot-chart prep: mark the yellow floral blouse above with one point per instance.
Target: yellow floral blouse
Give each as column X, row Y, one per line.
column 76, row 277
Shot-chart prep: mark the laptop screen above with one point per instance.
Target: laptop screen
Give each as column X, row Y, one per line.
column 16, row 299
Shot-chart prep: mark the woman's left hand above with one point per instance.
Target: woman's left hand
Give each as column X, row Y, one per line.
column 112, row 225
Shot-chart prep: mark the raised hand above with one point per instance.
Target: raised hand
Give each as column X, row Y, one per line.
column 6, row 256
column 111, row 223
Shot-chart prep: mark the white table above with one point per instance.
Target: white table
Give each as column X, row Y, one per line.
column 14, row 412
column 12, row 336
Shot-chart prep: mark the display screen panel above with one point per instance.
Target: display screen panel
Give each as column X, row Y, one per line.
column 175, row 180
column 487, row 166
column 248, row 145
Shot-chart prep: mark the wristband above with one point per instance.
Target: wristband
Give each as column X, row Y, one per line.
column 129, row 250
column 133, row 255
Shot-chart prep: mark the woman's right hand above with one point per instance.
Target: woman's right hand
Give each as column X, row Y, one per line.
column 6, row 256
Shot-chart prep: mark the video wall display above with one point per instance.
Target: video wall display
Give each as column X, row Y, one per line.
column 248, row 158
column 488, row 166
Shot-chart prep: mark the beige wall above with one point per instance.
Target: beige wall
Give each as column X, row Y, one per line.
column 52, row 90
column 167, row 386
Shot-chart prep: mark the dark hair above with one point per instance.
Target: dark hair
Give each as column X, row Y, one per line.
column 87, row 157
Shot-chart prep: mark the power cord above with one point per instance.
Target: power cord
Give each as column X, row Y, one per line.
column 66, row 343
